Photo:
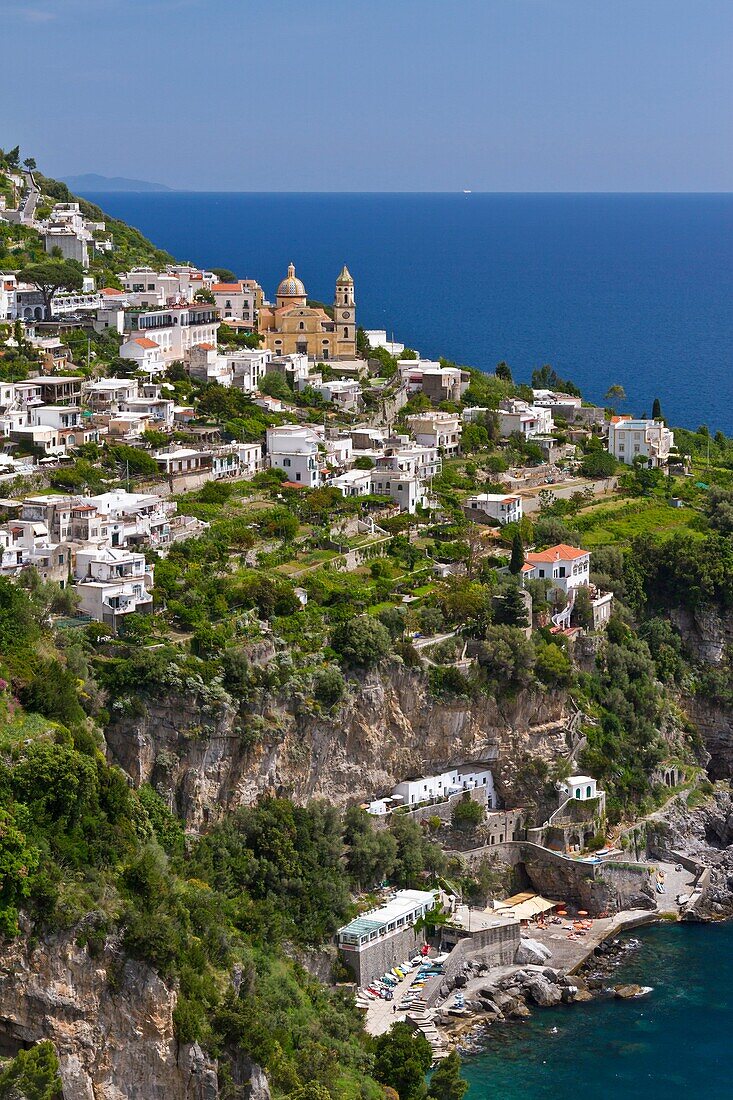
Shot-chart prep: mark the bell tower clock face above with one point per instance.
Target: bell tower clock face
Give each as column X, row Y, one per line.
column 346, row 315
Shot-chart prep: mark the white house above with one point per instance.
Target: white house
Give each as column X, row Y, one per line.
column 437, row 429
column 353, row 483
column 501, row 507
column 295, row 448
column 648, row 439
column 343, row 393
column 106, row 394
column 146, row 354
column 377, row 338
column 235, row 300
column 405, row 489
column 566, row 566
column 427, row 788
column 580, row 787
column 528, row 420
column 112, row 583
column 248, row 366
column 176, row 329
column 239, row 460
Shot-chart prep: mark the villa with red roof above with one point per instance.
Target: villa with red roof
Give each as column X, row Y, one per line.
column 566, row 566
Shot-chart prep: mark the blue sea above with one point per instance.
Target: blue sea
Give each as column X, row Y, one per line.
column 675, row 1042
column 628, row 289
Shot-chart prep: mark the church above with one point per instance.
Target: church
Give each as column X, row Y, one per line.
column 291, row 326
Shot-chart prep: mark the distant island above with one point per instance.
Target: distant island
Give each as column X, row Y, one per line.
column 91, row 181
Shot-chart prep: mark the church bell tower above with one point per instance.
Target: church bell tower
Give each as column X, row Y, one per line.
column 344, row 315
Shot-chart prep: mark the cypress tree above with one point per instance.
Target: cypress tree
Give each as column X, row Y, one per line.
column 517, row 558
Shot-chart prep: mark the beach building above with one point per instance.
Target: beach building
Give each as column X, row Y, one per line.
column 377, row 940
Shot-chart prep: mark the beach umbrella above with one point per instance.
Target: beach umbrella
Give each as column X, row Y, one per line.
column 582, row 912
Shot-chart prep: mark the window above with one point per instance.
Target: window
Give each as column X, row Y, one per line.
column 577, row 792
column 297, row 476
column 587, row 792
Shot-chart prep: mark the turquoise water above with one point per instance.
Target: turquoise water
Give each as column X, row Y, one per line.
column 630, row 289
column 677, row 1041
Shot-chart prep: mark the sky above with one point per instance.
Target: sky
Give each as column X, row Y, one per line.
column 375, row 95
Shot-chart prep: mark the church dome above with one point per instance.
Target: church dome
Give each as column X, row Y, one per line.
column 291, row 287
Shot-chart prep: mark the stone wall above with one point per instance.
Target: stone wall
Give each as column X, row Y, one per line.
column 492, row 946
column 378, row 957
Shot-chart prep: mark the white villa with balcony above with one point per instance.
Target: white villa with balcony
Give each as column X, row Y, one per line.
column 112, row 583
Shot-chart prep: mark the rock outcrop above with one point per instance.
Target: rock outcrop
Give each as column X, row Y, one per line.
column 204, row 758
column 109, row 1018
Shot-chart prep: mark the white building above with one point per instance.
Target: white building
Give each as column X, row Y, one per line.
column 377, row 338
column 500, row 507
column 236, row 301
column 176, row 329
column 248, row 366
column 404, row 489
column 345, row 394
column 112, row 583
column 146, row 354
column 437, row 429
column 429, row 788
column 107, row 394
column 528, row 420
column 583, row 788
column 239, row 460
column 648, row 439
column 296, row 449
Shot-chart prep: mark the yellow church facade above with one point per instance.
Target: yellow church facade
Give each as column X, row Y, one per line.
column 292, row 327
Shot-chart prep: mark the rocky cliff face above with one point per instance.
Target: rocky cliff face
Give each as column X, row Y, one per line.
column 110, row 1020
column 388, row 728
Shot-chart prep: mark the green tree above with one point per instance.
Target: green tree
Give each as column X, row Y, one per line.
column 467, row 814
column 51, row 276
column 401, row 1060
column 371, row 853
column 517, row 559
column 503, row 372
column 510, row 608
column 32, row 1075
column 446, row 1083
column 328, row 686
column 657, row 409
column 361, row 642
column 615, row 394
column 598, row 464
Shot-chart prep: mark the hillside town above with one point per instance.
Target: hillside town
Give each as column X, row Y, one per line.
column 337, row 406
column 232, row 502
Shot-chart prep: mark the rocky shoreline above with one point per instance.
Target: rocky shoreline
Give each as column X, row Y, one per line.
column 513, row 997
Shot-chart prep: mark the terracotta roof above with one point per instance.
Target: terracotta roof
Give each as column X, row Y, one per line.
column 226, row 288
column 206, row 347
column 143, row 342
column 110, row 290
column 292, row 485
column 561, row 552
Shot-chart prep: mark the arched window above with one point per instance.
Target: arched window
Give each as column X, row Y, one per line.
column 301, row 326
column 346, row 333
column 587, row 792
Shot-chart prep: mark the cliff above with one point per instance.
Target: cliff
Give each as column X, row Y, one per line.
column 109, row 1018
column 206, row 761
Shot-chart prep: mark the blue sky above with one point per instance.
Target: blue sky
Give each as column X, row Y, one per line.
column 375, row 95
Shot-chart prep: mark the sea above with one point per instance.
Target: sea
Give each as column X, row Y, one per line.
column 675, row 1042
column 631, row 290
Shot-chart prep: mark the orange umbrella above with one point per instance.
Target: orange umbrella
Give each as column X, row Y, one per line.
column 582, row 912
